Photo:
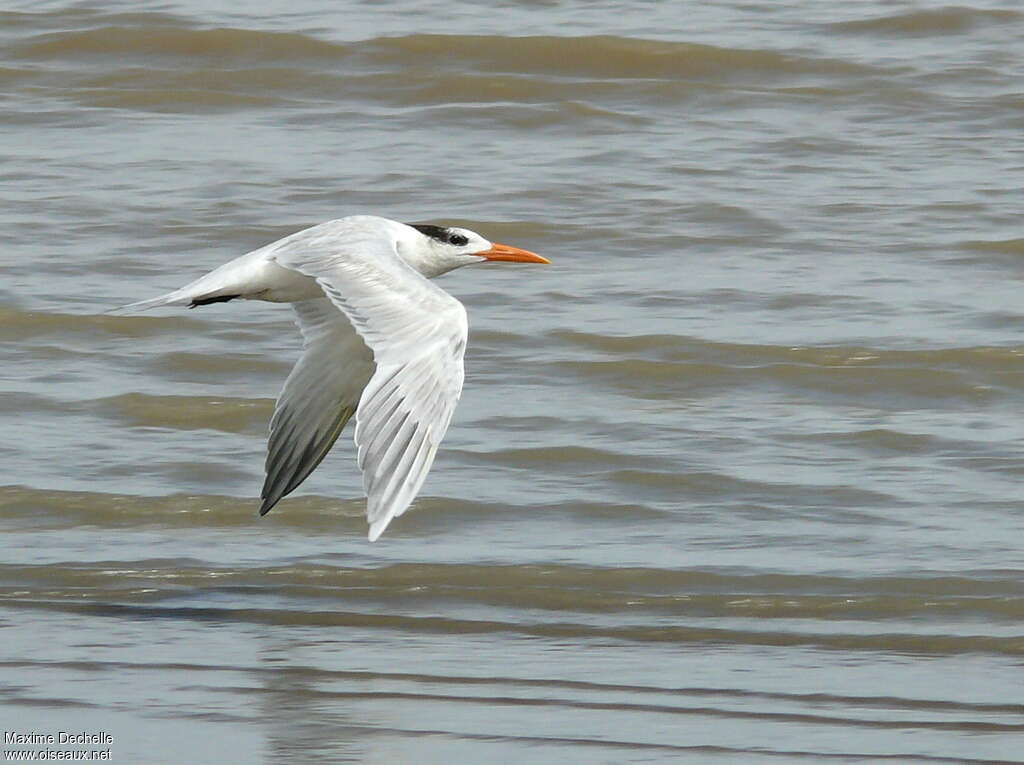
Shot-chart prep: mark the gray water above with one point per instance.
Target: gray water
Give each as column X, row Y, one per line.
column 736, row 479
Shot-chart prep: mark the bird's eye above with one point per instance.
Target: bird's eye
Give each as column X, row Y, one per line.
column 458, row 240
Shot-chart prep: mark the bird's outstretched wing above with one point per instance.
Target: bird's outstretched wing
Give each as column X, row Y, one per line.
column 417, row 334
column 318, row 398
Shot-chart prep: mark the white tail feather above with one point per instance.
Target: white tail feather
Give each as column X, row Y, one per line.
column 178, row 297
column 253, row 276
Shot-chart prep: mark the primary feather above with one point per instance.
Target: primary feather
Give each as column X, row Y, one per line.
column 380, row 342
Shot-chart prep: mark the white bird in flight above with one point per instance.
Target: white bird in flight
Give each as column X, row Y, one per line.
column 380, row 341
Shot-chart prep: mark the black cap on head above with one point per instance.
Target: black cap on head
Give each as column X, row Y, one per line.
column 440, row 233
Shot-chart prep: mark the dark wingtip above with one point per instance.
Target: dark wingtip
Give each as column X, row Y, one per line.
column 209, row 300
column 266, row 506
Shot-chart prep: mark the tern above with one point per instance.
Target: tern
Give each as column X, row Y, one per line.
column 380, row 341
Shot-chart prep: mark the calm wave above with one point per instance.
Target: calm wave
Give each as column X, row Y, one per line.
column 737, row 479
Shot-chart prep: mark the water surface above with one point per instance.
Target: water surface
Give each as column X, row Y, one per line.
column 737, row 479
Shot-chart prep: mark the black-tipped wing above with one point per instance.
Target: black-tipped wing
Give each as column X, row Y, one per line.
column 320, row 395
column 417, row 333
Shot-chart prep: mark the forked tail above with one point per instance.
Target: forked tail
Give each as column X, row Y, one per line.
column 178, row 297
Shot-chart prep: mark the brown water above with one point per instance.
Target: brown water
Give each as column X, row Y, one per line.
column 737, row 479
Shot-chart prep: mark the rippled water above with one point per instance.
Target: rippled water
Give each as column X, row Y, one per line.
column 737, row 479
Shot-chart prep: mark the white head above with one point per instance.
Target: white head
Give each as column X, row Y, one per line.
column 435, row 250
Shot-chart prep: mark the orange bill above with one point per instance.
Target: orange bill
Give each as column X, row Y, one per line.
column 512, row 254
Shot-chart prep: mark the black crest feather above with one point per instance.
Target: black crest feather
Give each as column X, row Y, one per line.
column 440, row 233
